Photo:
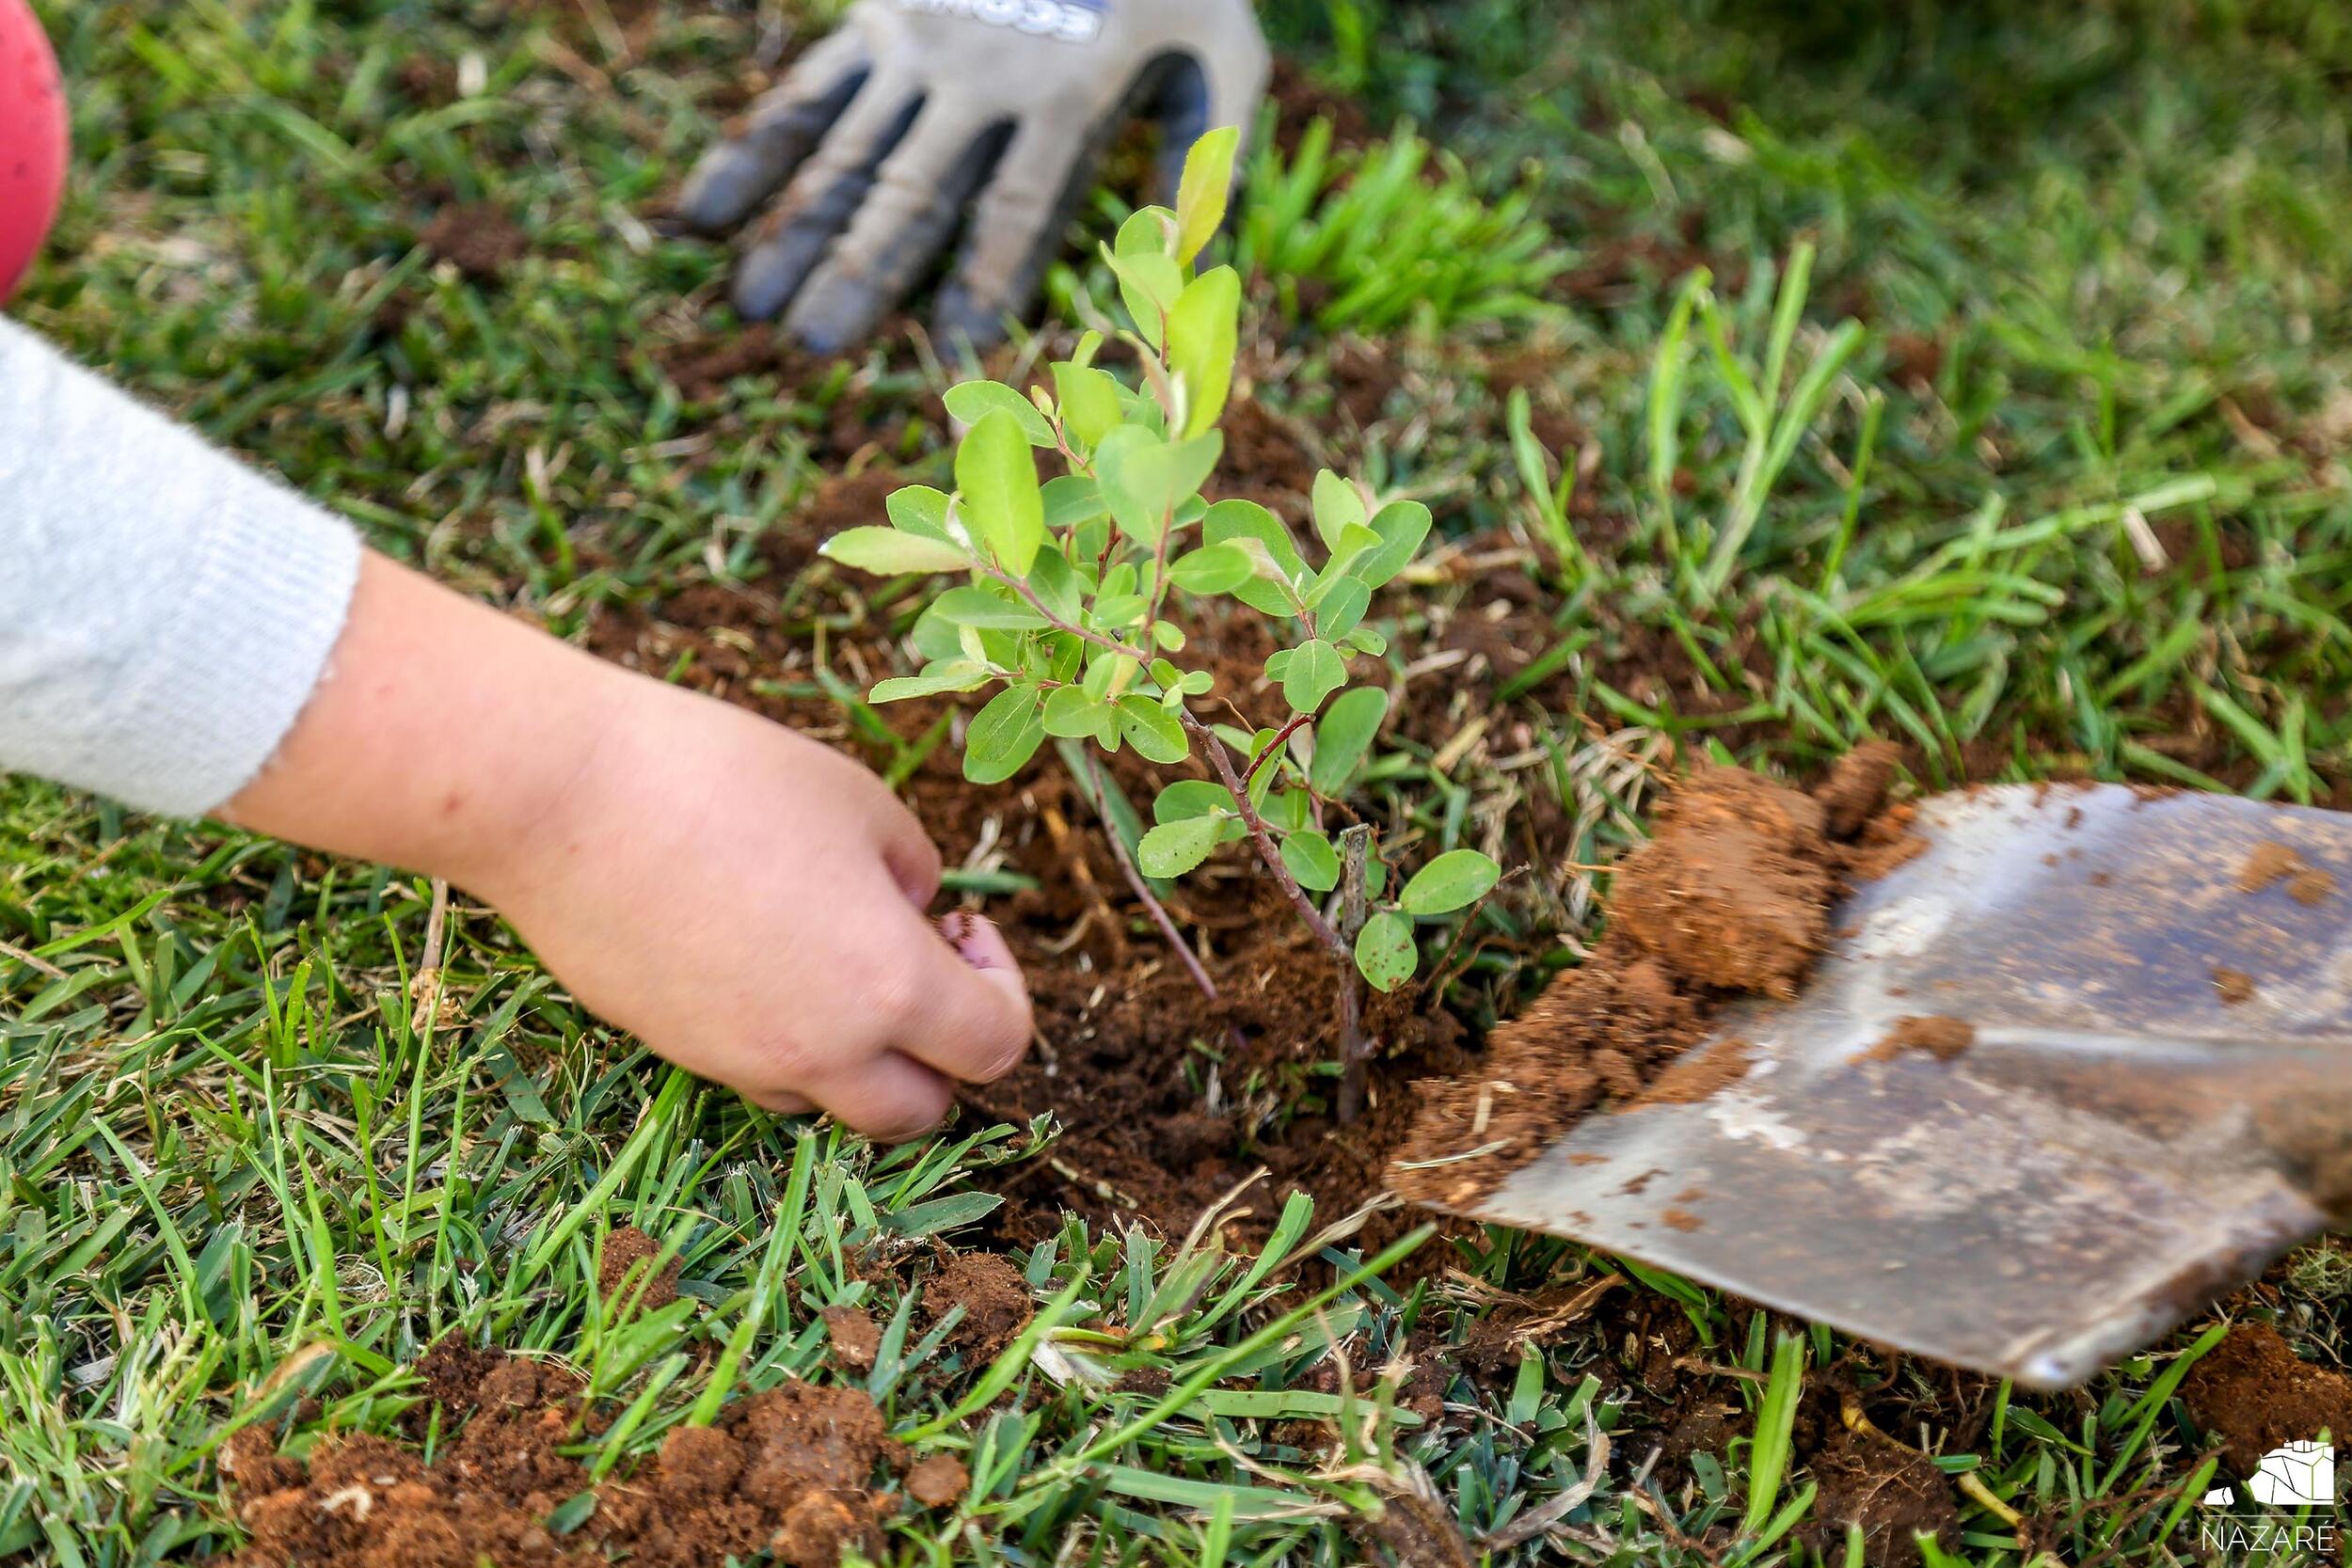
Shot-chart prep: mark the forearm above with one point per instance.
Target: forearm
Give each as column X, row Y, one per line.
column 443, row 737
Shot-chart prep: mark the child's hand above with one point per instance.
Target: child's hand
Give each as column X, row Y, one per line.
column 749, row 903
column 746, row 901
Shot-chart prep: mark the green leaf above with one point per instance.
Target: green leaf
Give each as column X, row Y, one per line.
column 1145, row 479
column 1338, row 504
column 1158, row 735
column 1453, row 879
column 1075, row 713
column 970, row 402
column 1275, row 557
column 1204, row 333
column 1202, row 192
column 1005, row 734
column 1312, row 859
column 948, row 675
column 1402, row 525
column 1002, row 504
column 1343, row 607
column 1313, row 672
column 1173, row 848
column 1188, row 798
column 888, row 551
column 1212, row 569
column 1384, row 952
column 978, row 607
column 1090, row 405
column 1343, row 736
column 920, row 509
column 1072, row 500
column 1149, row 281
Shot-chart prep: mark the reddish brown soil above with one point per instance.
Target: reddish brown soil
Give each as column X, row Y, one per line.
column 481, row 238
column 854, row 1336
column 1939, row 1037
column 1894, row 1493
column 628, row 1253
column 2254, row 1393
column 1299, row 100
column 939, row 1481
column 996, row 1301
column 789, row 1471
column 1730, row 895
column 2234, row 986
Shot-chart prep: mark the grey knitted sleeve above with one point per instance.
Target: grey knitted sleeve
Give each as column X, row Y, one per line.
column 164, row 611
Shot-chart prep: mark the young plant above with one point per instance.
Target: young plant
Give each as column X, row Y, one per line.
column 1079, row 590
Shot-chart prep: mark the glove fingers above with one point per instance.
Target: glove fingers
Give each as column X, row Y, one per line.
column 822, row 199
column 744, row 171
column 904, row 222
column 1014, row 230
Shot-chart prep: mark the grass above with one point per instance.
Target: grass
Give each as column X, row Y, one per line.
column 2070, row 499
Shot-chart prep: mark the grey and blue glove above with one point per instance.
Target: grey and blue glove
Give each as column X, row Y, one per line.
column 885, row 133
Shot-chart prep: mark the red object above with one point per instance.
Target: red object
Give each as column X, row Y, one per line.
column 32, row 139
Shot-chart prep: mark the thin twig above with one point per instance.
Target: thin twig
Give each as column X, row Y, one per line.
column 1264, row 837
column 1099, row 799
column 1354, row 1050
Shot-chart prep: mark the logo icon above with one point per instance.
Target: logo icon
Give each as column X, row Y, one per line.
column 2292, row 1477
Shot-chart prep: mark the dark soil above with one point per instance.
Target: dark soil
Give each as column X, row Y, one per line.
column 855, row 1341
column 996, row 1301
column 478, row 236
column 2254, row 1393
column 789, row 1471
column 1894, row 1493
column 628, row 1253
column 1299, row 101
column 1940, row 1037
column 1730, row 895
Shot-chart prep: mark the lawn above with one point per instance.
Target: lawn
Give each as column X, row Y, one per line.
column 1780, row 376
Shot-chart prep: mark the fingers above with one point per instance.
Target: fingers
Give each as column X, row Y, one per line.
column 908, row 851
column 889, row 1097
column 1014, row 230
column 744, row 171
column 780, row 1103
column 919, row 193
column 968, row 1014
column 823, row 196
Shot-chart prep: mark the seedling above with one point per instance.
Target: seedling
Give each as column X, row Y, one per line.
column 1079, row 587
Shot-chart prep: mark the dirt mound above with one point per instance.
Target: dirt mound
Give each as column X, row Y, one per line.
column 996, row 1301
column 856, row 1342
column 627, row 1271
column 1894, row 1493
column 1939, row 1037
column 478, row 236
column 1730, row 895
column 789, row 1471
column 2254, row 1393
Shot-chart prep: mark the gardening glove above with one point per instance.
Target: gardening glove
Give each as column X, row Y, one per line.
column 884, row 133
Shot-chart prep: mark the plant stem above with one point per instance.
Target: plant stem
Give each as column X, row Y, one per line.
column 1354, row 1050
column 1263, row 838
column 1096, row 798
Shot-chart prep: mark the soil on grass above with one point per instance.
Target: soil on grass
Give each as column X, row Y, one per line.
column 939, row 1481
column 790, row 1471
column 627, row 1271
column 2253, row 1393
column 856, row 1342
column 994, row 1298
column 1730, row 896
column 1894, row 1493
column 478, row 236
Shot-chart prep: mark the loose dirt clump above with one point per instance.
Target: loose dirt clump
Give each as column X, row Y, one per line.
column 996, row 1301
column 1730, row 896
column 939, row 1481
column 1893, row 1493
column 789, row 1471
column 2255, row 1394
column 1939, row 1037
column 2234, row 986
column 856, row 1342
column 627, row 1271
column 478, row 236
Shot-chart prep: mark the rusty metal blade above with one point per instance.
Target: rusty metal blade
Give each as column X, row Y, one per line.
column 2119, row 1144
